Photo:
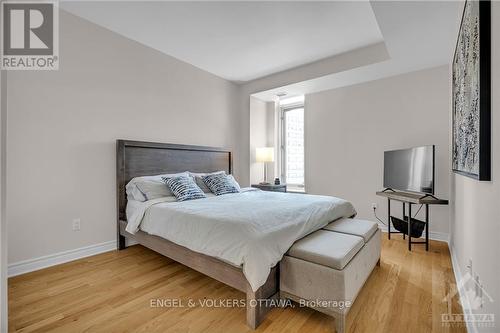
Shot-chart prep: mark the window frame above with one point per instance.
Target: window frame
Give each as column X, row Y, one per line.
column 282, row 144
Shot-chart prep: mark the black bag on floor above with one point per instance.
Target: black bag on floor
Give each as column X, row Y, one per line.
column 417, row 226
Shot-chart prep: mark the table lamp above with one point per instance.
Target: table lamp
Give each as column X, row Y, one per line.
column 264, row 155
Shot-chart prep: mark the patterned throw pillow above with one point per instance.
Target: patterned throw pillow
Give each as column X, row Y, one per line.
column 201, row 184
column 235, row 183
column 220, row 184
column 184, row 188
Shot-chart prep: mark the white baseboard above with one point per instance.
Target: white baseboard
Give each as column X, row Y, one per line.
column 35, row 264
column 434, row 235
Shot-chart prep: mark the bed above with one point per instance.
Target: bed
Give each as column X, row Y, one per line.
column 236, row 238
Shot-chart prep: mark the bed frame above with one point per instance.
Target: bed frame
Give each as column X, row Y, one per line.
column 136, row 158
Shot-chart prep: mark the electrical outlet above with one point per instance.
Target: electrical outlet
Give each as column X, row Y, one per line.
column 76, row 224
column 374, row 205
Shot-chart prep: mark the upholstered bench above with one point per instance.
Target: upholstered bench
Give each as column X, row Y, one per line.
column 326, row 269
column 356, row 227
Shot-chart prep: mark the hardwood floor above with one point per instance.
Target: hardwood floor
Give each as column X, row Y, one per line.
column 112, row 292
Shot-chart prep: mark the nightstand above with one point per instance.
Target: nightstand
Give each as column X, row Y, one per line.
column 271, row 187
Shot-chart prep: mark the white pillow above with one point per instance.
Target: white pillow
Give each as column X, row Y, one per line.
column 153, row 190
column 150, row 187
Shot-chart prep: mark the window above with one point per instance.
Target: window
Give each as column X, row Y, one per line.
column 292, row 142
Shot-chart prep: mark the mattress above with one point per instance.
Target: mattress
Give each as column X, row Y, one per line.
column 252, row 229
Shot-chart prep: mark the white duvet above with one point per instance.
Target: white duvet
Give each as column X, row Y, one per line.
column 252, row 229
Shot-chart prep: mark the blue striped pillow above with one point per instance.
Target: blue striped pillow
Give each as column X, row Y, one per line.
column 220, row 184
column 184, row 188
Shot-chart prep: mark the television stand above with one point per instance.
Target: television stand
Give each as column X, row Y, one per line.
column 428, row 196
column 410, row 199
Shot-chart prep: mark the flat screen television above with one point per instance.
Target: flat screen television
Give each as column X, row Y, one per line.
column 410, row 170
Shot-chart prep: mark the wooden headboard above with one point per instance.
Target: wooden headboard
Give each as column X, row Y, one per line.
column 137, row 158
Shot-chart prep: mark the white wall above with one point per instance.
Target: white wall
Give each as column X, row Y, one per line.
column 475, row 210
column 258, row 137
column 62, row 127
column 3, row 223
column 272, row 132
column 262, row 132
column 348, row 129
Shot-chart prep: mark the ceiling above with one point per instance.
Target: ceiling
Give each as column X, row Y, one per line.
column 239, row 41
column 277, row 45
column 417, row 35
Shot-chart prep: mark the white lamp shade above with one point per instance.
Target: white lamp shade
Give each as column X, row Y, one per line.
column 264, row 154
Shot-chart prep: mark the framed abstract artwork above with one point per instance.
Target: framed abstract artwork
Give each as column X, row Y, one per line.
column 471, row 123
